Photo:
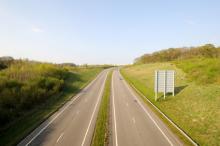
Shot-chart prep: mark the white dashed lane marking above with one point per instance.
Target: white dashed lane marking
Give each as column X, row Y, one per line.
column 61, row 135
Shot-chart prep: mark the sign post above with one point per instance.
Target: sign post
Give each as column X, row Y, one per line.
column 164, row 82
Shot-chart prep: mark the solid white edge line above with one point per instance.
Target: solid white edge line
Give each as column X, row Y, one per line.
column 68, row 104
column 180, row 130
column 93, row 113
column 115, row 124
column 155, row 123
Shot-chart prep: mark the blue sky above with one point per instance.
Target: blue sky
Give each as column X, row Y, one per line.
column 104, row 31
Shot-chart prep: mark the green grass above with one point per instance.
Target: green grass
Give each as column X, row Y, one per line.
column 100, row 137
column 19, row 128
column 195, row 107
column 201, row 70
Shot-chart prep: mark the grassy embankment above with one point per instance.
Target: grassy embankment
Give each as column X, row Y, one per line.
column 100, row 137
column 195, row 107
column 30, row 92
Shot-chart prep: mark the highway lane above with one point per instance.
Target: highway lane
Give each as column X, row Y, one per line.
column 133, row 123
column 74, row 123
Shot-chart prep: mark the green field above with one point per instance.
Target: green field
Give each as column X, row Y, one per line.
column 100, row 137
column 53, row 84
column 195, row 107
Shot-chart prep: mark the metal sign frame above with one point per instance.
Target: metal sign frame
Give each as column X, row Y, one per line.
column 164, row 82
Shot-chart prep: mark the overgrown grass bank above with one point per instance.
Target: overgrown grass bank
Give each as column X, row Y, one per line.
column 195, row 107
column 100, row 137
column 30, row 92
column 201, row 70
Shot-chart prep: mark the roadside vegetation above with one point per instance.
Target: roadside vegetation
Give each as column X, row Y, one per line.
column 201, row 70
column 31, row 91
column 171, row 54
column 101, row 133
column 195, row 107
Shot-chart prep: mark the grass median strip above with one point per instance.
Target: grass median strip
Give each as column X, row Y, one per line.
column 100, row 137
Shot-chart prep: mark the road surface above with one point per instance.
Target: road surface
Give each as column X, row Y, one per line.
column 133, row 123
column 73, row 124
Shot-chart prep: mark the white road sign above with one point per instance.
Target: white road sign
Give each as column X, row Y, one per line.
column 164, row 82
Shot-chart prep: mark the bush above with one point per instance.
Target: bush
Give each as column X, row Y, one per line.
column 24, row 84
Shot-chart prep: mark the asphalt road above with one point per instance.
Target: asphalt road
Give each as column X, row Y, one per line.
column 133, row 123
column 73, row 124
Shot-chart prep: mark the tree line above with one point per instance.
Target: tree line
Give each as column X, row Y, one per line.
column 207, row 51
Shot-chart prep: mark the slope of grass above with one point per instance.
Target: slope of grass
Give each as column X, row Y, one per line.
column 26, row 120
column 201, row 70
column 101, row 129
column 195, row 107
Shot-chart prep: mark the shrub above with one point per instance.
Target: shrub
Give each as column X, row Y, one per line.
column 24, row 84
